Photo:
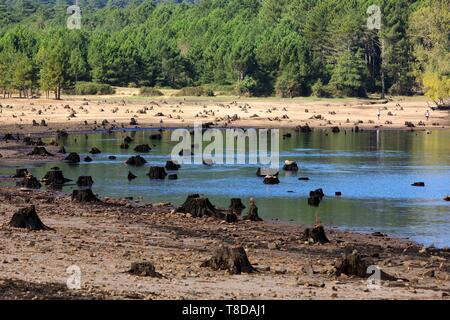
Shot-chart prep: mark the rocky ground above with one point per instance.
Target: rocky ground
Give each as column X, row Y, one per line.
column 104, row 239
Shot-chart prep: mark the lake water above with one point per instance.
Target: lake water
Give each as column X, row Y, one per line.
column 374, row 171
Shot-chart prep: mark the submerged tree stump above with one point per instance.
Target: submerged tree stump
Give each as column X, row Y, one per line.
column 172, row 166
column 271, row 180
column 199, row 207
column 315, row 197
column 21, row 173
column 40, row 151
column 30, row 182
column 290, row 166
column 144, row 269
column 233, row 259
column 85, row 181
column 73, row 157
column 27, row 218
column 84, row 196
column 54, row 177
column 95, row 150
column 157, row 173
column 136, row 161
column 315, row 235
column 236, row 206
column 143, row 148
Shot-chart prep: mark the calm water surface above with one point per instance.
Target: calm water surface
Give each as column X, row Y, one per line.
column 373, row 170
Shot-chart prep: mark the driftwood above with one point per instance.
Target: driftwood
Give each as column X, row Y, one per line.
column 136, row 161
column 157, row 173
column 233, row 259
column 144, row 269
column 84, row 196
column 40, row 151
column 315, row 235
column 199, row 207
column 27, row 218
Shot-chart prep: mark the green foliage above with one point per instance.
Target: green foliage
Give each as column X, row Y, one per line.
column 91, row 88
column 320, row 90
column 195, row 92
column 150, row 92
column 348, row 75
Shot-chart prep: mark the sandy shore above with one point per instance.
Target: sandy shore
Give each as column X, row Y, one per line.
column 104, row 239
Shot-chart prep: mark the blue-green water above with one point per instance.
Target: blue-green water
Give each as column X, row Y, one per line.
column 373, row 170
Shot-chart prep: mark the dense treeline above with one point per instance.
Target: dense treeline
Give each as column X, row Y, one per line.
column 284, row 47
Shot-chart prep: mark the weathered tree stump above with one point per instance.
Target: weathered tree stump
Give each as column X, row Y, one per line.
column 271, row 180
column 172, row 166
column 40, row 151
column 199, row 207
column 84, row 196
column 144, row 269
column 131, row 176
column 236, row 206
column 85, row 181
column 73, row 158
column 95, row 150
column 30, row 182
column 143, row 148
column 54, row 177
column 27, row 218
column 264, row 172
column 21, row 173
column 290, row 166
column 252, row 214
column 136, row 161
column 233, row 259
column 315, row 235
column 157, row 173
column 315, row 197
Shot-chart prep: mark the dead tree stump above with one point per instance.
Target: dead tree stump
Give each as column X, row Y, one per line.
column 144, row 148
column 157, row 173
column 172, row 166
column 95, row 150
column 21, row 173
column 315, row 235
column 40, row 151
column 233, row 259
column 236, row 206
column 271, row 180
column 30, row 182
column 84, row 196
column 144, row 269
column 54, row 177
column 27, row 218
column 353, row 265
column 199, row 207
column 73, row 157
column 290, row 166
column 315, row 197
column 253, row 212
column 264, row 172
column 136, row 161
column 85, row 181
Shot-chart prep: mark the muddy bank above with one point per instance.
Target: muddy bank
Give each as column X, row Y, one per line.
column 104, row 239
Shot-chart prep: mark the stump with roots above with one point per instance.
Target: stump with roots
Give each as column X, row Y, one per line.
column 73, row 157
column 144, row 269
column 21, row 173
column 236, row 206
column 315, row 235
column 172, row 166
column 233, row 259
column 253, row 213
column 95, row 150
column 136, row 161
column 315, row 197
column 290, row 166
column 85, row 181
column 54, row 177
column 30, row 182
column 84, row 196
column 199, row 207
column 157, row 173
column 143, row 148
column 27, row 218
column 40, row 151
